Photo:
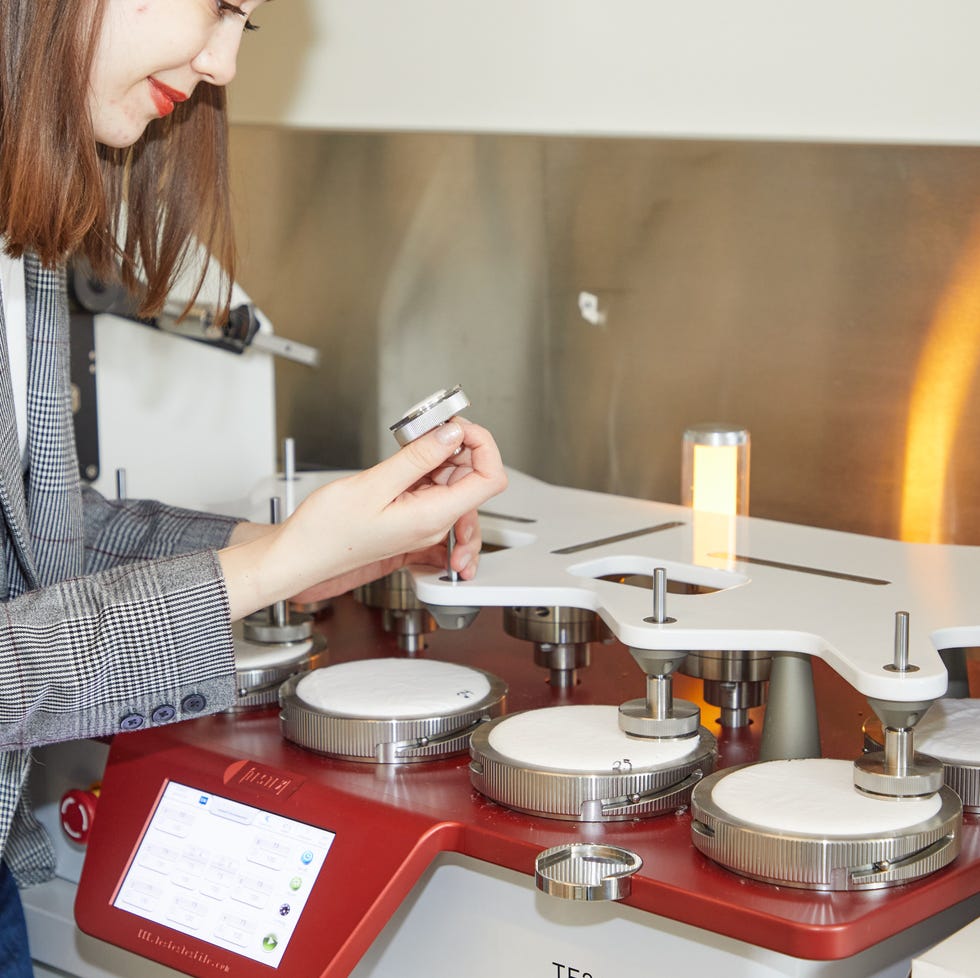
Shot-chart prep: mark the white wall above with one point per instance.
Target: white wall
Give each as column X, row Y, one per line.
column 856, row 70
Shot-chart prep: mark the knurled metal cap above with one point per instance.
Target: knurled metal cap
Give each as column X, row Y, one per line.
column 393, row 592
column 684, row 720
column 963, row 778
column 555, row 625
column 261, row 628
column 923, row 777
column 435, row 410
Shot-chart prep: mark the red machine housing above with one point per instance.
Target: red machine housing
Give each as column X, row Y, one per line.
column 391, row 821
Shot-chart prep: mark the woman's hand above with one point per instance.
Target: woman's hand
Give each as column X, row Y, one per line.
column 362, row 527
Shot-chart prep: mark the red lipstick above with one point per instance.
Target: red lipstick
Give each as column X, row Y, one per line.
column 165, row 97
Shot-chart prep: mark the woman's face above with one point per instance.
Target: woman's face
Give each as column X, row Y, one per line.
column 151, row 54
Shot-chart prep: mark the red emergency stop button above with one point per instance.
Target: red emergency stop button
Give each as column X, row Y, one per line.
column 78, row 812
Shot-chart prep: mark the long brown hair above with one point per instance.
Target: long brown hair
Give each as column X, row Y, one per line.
column 137, row 213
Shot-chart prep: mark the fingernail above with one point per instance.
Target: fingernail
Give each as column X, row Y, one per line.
column 463, row 562
column 449, row 434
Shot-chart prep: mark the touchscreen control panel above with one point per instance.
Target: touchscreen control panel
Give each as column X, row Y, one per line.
column 223, row 872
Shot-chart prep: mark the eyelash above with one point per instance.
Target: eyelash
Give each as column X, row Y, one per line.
column 224, row 7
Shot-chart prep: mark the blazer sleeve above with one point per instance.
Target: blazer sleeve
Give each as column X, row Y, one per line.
column 120, row 531
column 136, row 645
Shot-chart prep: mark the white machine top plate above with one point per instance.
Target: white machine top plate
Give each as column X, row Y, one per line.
column 814, row 797
column 950, row 731
column 392, row 688
column 780, row 587
column 581, row 738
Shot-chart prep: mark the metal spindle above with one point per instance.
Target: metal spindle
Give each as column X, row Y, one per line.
column 660, row 595
column 901, row 659
column 280, row 610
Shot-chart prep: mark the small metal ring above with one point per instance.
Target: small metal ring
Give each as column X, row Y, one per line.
column 586, row 871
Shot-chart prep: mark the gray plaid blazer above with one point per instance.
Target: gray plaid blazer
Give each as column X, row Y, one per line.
column 113, row 615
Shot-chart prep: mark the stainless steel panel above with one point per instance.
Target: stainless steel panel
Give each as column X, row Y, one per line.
column 825, row 296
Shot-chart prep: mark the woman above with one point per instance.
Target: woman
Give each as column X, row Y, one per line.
column 117, row 615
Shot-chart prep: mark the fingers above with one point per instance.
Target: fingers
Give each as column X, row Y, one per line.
column 479, row 456
column 419, row 459
column 466, row 553
column 403, row 505
column 458, row 454
column 483, row 457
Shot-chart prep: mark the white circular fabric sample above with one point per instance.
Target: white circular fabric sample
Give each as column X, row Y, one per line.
column 949, row 731
column 581, row 738
column 815, row 797
column 393, row 688
column 268, row 655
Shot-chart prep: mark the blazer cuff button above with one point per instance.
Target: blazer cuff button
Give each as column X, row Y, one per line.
column 132, row 721
column 193, row 703
column 163, row 714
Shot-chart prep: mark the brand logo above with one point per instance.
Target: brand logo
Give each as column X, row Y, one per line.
column 267, row 780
